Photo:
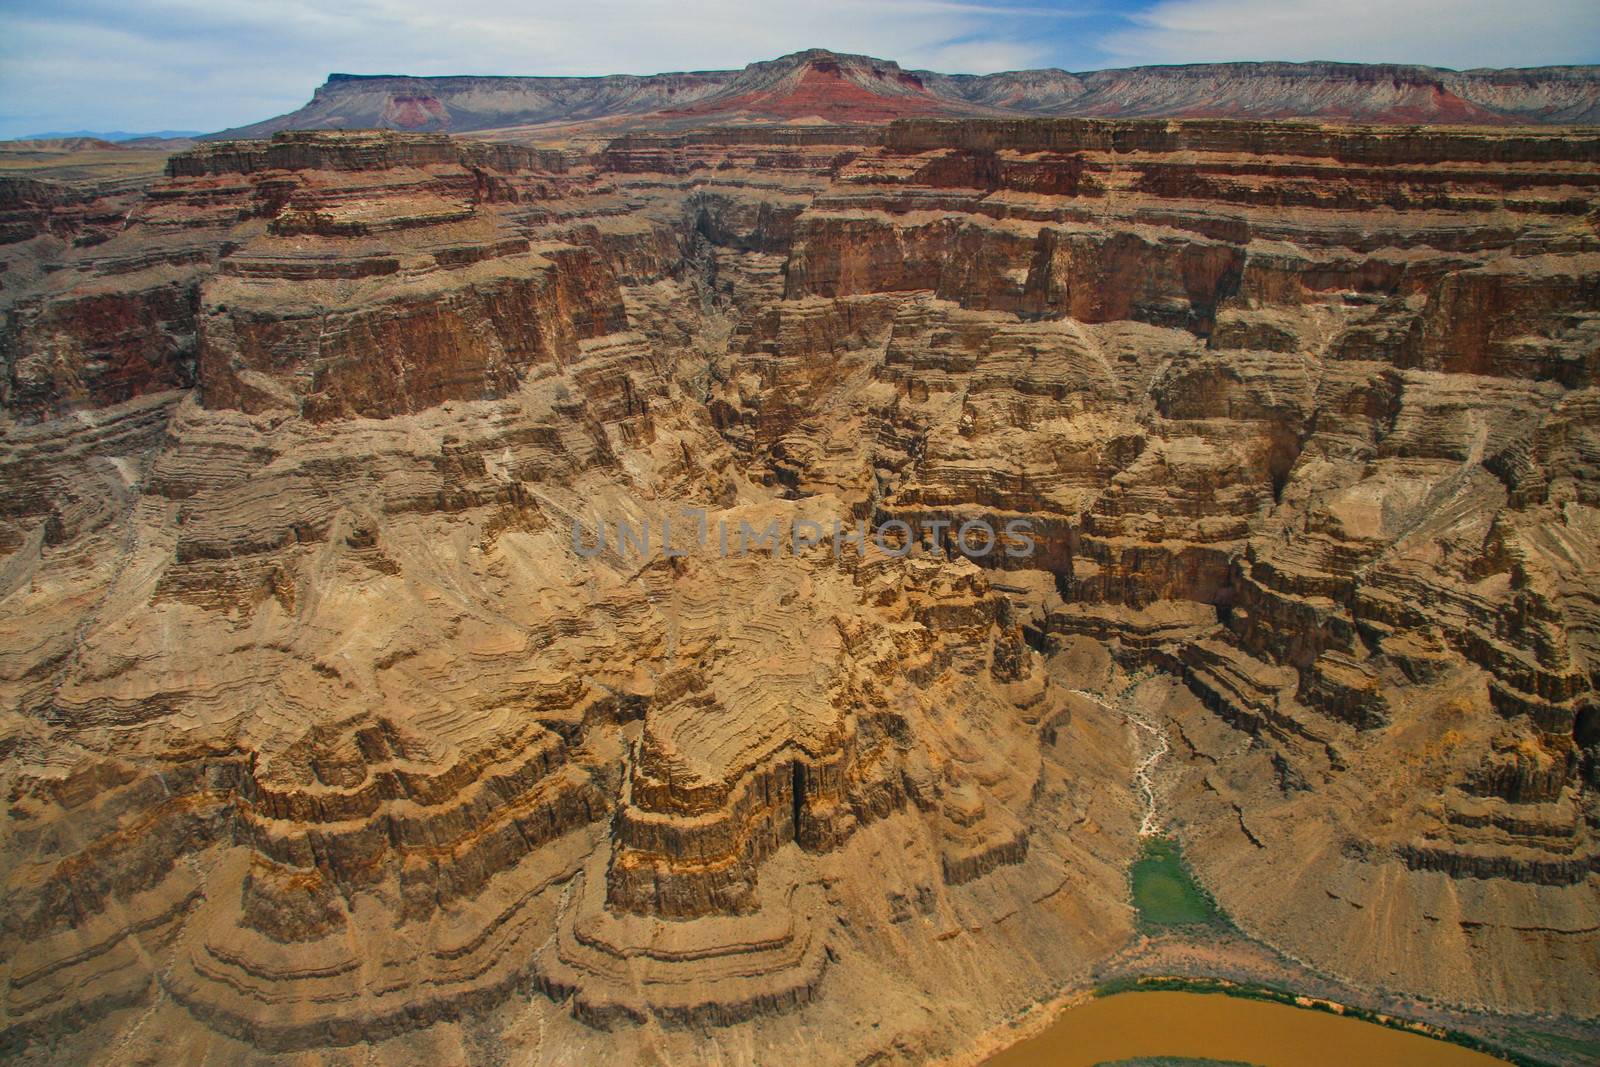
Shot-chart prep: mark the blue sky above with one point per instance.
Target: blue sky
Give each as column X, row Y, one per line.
column 208, row 64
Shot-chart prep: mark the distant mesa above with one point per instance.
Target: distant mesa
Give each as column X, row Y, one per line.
column 70, row 141
column 818, row 86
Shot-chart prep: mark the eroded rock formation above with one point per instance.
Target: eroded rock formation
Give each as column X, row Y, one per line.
column 319, row 728
column 818, row 85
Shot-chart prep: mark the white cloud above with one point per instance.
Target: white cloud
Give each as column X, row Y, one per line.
column 977, row 57
column 1442, row 33
column 206, row 64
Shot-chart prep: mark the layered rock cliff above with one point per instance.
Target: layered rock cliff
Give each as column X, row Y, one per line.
column 326, row 720
column 818, row 85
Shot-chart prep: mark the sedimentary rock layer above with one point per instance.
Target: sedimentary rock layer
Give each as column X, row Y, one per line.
column 820, row 85
column 336, row 707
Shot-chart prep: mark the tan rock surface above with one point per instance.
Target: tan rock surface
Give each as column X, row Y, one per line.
column 319, row 730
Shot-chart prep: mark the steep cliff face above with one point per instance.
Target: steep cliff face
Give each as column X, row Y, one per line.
column 326, row 719
column 840, row 88
column 1265, row 395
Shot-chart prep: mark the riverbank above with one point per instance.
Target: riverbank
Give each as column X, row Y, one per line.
column 1186, row 941
column 1225, row 962
column 1136, row 1026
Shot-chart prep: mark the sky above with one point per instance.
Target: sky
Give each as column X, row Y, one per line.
column 209, row 64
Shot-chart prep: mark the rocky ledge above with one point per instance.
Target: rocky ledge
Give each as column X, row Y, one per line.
column 319, row 727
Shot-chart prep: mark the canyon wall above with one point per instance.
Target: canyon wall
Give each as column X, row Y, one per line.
column 840, row 88
column 322, row 727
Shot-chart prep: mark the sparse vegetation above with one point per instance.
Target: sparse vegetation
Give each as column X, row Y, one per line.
column 1166, row 894
column 1533, row 1047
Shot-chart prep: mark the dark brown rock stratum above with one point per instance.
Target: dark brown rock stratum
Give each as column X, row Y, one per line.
column 316, row 730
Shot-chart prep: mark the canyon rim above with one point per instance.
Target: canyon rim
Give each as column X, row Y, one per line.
column 325, row 736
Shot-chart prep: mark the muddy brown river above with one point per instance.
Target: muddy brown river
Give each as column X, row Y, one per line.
column 1214, row 1026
